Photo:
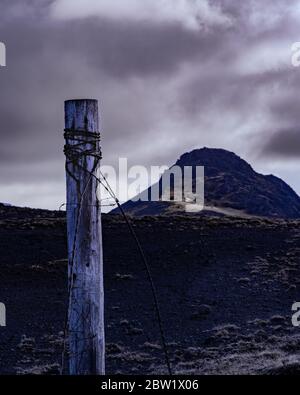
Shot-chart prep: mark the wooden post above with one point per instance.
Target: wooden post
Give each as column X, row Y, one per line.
column 85, row 273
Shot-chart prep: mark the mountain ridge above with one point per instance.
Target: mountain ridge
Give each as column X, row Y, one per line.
column 232, row 187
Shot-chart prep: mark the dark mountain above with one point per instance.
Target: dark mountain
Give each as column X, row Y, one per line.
column 232, row 187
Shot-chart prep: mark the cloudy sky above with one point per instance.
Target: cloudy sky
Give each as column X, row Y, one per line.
column 170, row 76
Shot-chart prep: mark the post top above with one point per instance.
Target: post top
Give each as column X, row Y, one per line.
column 81, row 100
column 82, row 114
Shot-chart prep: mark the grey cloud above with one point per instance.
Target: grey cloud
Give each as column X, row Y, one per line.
column 283, row 143
column 48, row 61
column 163, row 88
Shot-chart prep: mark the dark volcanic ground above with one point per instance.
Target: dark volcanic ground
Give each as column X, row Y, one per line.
column 226, row 287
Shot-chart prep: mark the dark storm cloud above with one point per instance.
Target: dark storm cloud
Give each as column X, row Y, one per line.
column 283, row 143
column 47, row 59
column 165, row 85
column 137, row 50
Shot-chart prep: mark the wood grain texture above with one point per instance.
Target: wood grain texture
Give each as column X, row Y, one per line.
column 86, row 305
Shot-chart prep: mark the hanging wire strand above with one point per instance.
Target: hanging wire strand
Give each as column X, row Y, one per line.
column 147, row 267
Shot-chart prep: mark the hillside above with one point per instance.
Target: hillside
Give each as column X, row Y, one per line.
column 225, row 288
column 232, row 187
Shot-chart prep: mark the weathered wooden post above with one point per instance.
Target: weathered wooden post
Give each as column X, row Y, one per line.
column 85, row 324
